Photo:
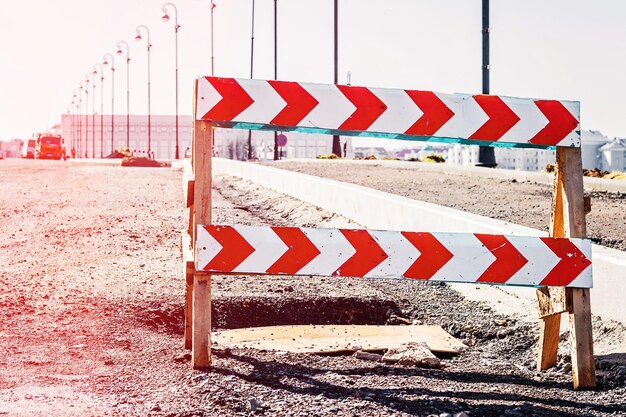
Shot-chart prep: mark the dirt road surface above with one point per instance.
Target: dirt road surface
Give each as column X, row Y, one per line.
column 91, row 313
column 524, row 203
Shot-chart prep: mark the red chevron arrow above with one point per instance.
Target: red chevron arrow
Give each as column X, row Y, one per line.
column 234, row 99
column 501, row 118
column 560, row 123
column 299, row 103
column 572, row 262
column 436, row 113
column 508, row 259
column 235, row 249
column 368, row 254
column 368, row 107
column 300, row 251
column 433, row 255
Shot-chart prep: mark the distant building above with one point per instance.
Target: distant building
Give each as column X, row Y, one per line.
column 596, row 149
column 613, row 155
column 377, row 151
column 11, row 148
column 229, row 143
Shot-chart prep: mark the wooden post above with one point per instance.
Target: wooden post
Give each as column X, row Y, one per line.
column 202, row 205
column 568, row 220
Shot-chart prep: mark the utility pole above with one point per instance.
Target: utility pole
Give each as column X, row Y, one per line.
column 276, row 154
column 336, row 141
column 251, row 76
column 486, row 155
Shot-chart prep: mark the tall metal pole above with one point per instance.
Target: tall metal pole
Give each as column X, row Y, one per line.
column 212, row 56
column 276, row 154
column 119, row 52
column 86, row 117
column 486, row 155
column 93, row 115
column 336, row 141
column 251, row 76
column 138, row 37
column 101, row 108
column 80, row 120
column 106, row 58
column 176, row 27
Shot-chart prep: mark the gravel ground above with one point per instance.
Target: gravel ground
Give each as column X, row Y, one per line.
column 524, row 203
column 91, row 306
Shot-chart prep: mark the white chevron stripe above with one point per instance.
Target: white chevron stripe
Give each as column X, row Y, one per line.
column 401, row 254
column 267, row 102
column 541, row 260
column 470, row 258
column 401, row 111
column 208, row 247
column 333, row 108
column 208, row 97
column 572, row 138
column 268, row 248
column 468, row 116
column 335, row 250
column 531, row 121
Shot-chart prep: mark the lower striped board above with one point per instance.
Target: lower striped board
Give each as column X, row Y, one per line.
column 451, row 257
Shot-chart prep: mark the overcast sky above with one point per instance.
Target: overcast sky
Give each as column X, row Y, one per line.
column 559, row 49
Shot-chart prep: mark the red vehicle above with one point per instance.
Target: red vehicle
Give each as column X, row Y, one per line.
column 49, row 147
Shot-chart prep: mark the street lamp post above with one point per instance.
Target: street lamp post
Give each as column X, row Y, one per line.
column 176, row 27
column 119, row 52
column 80, row 120
column 212, row 56
column 336, row 141
column 86, row 116
column 106, row 62
column 93, row 115
column 73, row 120
column 138, row 38
column 276, row 154
column 98, row 67
column 251, row 76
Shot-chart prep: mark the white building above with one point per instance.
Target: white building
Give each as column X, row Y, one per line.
column 78, row 131
column 613, row 155
column 11, row 148
column 597, row 152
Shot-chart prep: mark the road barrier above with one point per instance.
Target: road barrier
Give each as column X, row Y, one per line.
column 559, row 265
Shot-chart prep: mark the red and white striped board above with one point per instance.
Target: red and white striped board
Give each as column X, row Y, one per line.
column 452, row 257
column 350, row 110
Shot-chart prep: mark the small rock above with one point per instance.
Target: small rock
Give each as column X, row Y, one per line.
column 185, row 357
column 412, row 354
column 368, row 356
column 254, row 404
column 445, row 415
column 462, row 414
column 156, row 408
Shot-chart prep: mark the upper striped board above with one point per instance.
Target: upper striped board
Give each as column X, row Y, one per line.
column 452, row 257
column 389, row 113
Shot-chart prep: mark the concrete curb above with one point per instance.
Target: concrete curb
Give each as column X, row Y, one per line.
column 592, row 184
column 379, row 210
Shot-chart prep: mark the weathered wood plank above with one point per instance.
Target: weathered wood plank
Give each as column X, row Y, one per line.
column 201, row 342
column 548, row 341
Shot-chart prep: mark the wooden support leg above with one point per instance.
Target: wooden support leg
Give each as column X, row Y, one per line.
column 548, row 341
column 583, row 366
column 201, row 342
column 188, row 306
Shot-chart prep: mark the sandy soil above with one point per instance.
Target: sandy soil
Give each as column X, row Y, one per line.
column 524, row 203
column 91, row 306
